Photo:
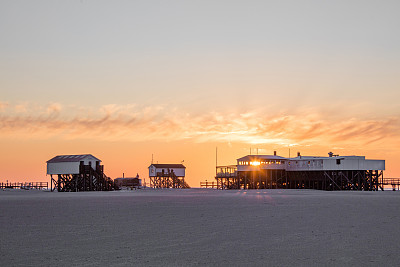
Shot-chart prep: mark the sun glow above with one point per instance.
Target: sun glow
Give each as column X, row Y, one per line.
column 255, row 163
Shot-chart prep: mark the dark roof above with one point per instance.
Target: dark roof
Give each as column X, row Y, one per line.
column 70, row 158
column 125, row 178
column 172, row 166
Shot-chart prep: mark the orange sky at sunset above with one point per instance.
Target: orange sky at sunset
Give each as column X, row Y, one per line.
column 126, row 137
column 123, row 80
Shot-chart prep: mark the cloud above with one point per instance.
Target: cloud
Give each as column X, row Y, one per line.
column 136, row 123
column 21, row 108
column 54, row 108
column 3, row 106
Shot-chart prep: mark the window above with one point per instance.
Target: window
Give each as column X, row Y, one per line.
column 338, row 161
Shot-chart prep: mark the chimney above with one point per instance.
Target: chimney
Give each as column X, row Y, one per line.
column 274, row 153
column 123, row 175
column 298, row 154
column 330, row 154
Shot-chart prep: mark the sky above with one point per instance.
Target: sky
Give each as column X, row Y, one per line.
column 128, row 81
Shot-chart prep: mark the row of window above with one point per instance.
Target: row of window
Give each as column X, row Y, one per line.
column 264, row 162
column 279, row 162
column 309, row 163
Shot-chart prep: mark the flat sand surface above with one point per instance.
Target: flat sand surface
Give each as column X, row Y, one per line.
column 199, row 227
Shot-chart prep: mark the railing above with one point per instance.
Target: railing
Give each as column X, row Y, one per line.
column 394, row 182
column 208, row 184
column 391, row 181
column 226, row 174
column 26, row 185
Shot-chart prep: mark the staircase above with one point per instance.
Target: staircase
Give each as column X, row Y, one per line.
column 178, row 182
column 95, row 179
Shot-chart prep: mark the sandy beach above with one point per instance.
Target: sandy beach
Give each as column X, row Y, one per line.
column 199, row 227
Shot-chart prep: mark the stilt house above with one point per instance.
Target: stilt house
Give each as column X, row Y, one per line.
column 309, row 172
column 78, row 173
column 167, row 176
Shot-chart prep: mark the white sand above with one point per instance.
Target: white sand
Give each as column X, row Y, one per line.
column 200, row 227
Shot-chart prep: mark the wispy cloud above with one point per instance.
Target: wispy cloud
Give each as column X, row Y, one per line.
column 54, row 108
column 3, row 106
column 136, row 123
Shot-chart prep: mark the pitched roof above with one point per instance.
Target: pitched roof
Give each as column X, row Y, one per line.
column 70, row 158
column 172, row 166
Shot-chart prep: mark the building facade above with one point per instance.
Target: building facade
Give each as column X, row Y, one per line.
column 309, row 172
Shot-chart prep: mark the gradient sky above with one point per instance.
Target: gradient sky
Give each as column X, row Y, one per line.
column 123, row 80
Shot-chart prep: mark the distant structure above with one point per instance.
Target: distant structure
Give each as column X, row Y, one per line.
column 308, row 172
column 25, row 185
column 78, row 173
column 128, row 182
column 167, row 176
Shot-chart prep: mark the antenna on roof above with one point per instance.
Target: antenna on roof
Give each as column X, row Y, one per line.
column 216, row 160
column 152, row 158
